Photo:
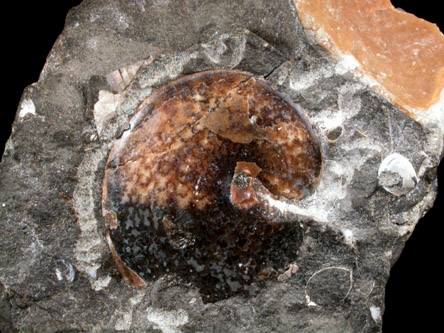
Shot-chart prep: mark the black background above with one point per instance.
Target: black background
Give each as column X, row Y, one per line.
column 415, row 288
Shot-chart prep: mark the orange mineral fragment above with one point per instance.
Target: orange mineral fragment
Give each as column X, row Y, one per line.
column 401, row 52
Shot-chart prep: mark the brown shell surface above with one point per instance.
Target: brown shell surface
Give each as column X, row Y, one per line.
column 167, row 193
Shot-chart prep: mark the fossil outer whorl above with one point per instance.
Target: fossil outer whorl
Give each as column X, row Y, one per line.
column 187, row 185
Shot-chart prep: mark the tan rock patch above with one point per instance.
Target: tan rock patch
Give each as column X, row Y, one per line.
column 401, row 52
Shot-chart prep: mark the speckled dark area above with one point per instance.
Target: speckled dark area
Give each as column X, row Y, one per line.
column 223, row 251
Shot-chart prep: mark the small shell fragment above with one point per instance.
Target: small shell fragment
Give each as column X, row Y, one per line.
column 397, row 175
column 64, row 270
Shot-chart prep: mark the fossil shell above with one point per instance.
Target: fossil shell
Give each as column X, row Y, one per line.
column 186, row 186
column 397, row 175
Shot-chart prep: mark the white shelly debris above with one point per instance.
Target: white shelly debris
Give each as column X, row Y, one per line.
column 168, row 321
column 397, row 175
column 292, row 269
column 90, row 246
column 64, row 270
column 125, row 319
column 124, row 323
column 309, row 301
column 346, row 64
column 105, row 108
column 27, row 107
column 376, row 313
column 101, row 283
column 121, row 78
column 349, row 238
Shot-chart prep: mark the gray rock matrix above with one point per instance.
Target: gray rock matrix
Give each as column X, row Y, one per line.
column 56, row 271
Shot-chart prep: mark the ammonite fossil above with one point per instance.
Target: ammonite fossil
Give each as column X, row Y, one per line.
column 193, row 186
